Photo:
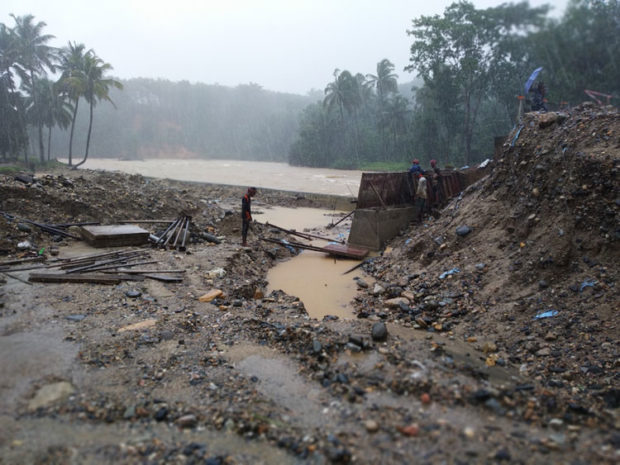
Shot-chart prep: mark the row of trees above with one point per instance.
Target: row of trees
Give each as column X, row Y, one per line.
column 473, row 65
column 31, row 101
column 362, row 118
column 157, row 118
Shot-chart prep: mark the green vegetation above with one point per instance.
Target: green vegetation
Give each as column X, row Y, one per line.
column 473, row 65
column 30, row 101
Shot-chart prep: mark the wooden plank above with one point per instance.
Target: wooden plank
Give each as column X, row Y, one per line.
column 19, row 261
column 74, row 278
column 164, row 278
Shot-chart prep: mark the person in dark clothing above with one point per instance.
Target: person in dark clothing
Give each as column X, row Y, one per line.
column 415, row 168
column 538, row 100
column 246, row 214
column 438, row 196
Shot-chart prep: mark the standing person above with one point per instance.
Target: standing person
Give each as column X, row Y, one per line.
column 438, row 197
column 538, row 100
column 246, row 214
column 421, row 194
column 415, row 167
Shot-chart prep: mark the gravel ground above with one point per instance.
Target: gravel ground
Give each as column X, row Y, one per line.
column 486, row 335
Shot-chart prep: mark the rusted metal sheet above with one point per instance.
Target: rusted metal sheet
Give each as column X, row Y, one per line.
column 385, row 190
column 346, row 251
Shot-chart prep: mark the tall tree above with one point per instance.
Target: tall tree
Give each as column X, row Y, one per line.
column 97, row 88
column 36, row 57
column 58, row 113
column 342, row 93
column 470, row 45
column 13, row 135
column 72, row 64
column 385, row 81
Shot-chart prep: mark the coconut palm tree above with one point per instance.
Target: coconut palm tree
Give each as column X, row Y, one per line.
column 72, row 81
column 342, row 93
column 385, row 81
column 13, row 137
column 97, row 88
column 58, row 112
column 35, row 57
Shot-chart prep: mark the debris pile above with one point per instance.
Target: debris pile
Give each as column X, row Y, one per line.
column 523, row 266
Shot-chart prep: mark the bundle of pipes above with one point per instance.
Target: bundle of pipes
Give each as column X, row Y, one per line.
column 175, row 235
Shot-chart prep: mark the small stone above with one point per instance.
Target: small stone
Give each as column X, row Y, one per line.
column 502, row 454
column 371, row 426
column 187, row 421
column 130, row 412
column 410, row 430
column 316, row 347
column 469, row 432
column 161, row 414
column 377, row 290
column 133, row 293
column 542, row 284
column 23, row 227
column 75, row 317
column 361, row 283
column 463, row 231
column 550, row 336
column 556, row 423
column 535, row 192
column 211, row 295
column 396, row 302
column 489, row 347
column 425, row 398
column 50, row 394
column 379, row 332
column 545, row 351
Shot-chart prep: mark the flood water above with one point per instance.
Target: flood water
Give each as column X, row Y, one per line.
column 240, row 173
column 314, row 277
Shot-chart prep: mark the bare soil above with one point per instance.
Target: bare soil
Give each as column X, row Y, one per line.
column 469, row 371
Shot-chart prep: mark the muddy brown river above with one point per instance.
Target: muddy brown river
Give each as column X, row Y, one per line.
column 240, row 173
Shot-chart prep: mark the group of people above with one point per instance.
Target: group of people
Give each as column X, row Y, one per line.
column 426, row 196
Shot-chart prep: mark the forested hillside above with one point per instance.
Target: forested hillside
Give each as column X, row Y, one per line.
column 473, row 64
column 160, row 118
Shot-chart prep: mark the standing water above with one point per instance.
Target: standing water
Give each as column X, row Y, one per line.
column 316, row 278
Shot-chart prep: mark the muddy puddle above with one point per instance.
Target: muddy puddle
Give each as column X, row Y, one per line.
column 317, row 279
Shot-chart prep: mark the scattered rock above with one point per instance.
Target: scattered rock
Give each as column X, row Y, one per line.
column 379, row 332
column 50, row 394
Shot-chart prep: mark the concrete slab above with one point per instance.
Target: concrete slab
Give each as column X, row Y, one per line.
column 114, row 235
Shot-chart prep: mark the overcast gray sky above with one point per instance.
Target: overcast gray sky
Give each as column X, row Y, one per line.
column 282, row 45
